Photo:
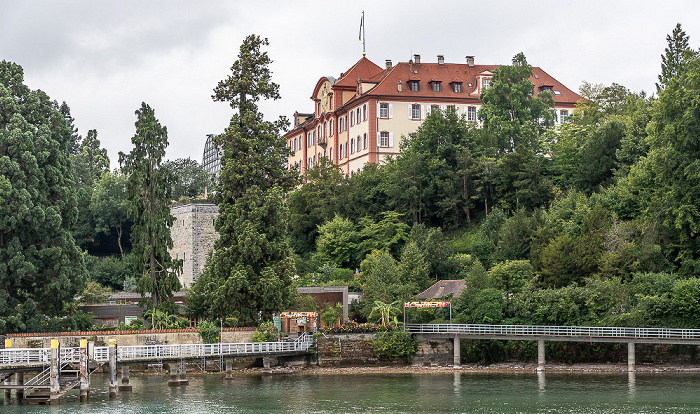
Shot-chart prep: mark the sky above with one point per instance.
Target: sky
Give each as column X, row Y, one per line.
column 103, row 58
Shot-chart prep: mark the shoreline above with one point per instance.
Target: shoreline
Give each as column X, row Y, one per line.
column 514, row 368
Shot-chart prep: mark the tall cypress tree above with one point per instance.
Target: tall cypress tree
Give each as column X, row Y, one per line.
column 148, row 185
column 676, row 56
column 41, row 269
column 249, row 273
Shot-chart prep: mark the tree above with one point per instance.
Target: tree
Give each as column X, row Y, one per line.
column 75, row 138
column 511, row 111
column 41, row 268
column 148, row 185
column 190, row 179
column 676, row 56
column 249, row 274
column 88, row 166
column 109, row 206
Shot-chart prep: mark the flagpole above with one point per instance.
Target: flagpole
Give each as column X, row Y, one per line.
column 363, row 34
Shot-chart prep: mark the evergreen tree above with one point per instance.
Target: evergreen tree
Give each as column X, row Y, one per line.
column 676, row 56
column 249, row 273
column 41, row 268
column 148, row 185
column 75, row 138
column 109, row 206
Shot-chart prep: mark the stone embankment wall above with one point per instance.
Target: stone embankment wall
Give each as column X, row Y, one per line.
column 127, row 338
column 356, row 349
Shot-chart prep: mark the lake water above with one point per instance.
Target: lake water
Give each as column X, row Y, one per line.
column 393, row 393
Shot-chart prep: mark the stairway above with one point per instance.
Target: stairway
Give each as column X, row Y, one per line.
column 69, row 379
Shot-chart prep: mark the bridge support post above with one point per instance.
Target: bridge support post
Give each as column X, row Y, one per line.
column 183, row 373
column 112, row 353
column 19, row 378
column 84, row 371
column 229, row 369
column 125, row 385
column 55, row 372
column 540, row 355
column 631, row 359
column 7, row 391
column 457, row 352
column 174, row 380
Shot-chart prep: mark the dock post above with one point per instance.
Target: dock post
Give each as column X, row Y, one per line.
column 55, row 372
column 84, row 371
column 540, row 355
column 631, row 359
column 8, row 344
column 457, row 351
column 19, row 379
column 173, row 375
column 125, row 385
column 183, row 373
column 112, row 368
column 229, row 369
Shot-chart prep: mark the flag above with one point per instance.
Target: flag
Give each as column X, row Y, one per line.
column 362, row 23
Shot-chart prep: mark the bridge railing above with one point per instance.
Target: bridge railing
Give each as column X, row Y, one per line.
column 541, row 330
column 13, row 356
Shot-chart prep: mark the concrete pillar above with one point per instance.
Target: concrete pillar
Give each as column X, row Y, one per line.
column 55, row 372
column 112, row 368
column 229, row 369
column 7, row 392
column 631, row 359
column 457, row 352
column 266, row 362
column 183, row 373
column 19, row 379
column 125, row 385
column 174, row 381
column 84, row 371
column 540, row 354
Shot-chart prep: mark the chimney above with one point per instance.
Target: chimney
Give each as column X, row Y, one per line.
column 441, row 60
column 388, row 63
column 470, row 61
column 416, row 59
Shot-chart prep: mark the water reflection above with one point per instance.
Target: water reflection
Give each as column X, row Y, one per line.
column 631, row 385
column 457, row 383
column 541, row 383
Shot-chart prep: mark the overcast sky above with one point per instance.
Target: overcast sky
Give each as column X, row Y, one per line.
column 106, row 57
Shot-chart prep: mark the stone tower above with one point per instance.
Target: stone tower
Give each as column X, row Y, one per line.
column 193, row 238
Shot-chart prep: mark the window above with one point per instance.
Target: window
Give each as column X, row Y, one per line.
column 184, row 256
column 330, row 124
column 365, row 145
column 434, row 108
column 471, row 113
column 352, row 146
column 352, row 118
column 436, row 86
column 384, row 139
column 413, row 86
column 415, row 111
column 457, row 87
column 364, row 112
column 359, row 119
column 359, row 143
column 340, row 153
column 318, row 134
column 487, row 81
column 562, row 115
column 330, row 153
column 384, row 110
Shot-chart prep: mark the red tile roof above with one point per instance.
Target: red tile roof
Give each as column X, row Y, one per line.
column 363, row 69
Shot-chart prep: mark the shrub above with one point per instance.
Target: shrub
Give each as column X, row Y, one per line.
column 394, row 344
column 209, row 332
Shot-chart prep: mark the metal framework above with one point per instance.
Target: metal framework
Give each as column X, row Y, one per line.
column 18, row 356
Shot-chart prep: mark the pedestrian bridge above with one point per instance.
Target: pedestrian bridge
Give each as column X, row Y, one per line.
column 542, row 333
column 31, row 357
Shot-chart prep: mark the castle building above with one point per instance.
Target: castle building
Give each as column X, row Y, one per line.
column 361, row 116
column 193, row 235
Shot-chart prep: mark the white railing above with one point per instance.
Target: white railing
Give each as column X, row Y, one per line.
column 539, row 330
column 18, row 356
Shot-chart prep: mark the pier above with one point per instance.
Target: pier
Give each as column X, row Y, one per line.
column 61, row 369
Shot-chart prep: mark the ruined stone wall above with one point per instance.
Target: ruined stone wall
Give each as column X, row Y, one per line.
column 193, row 236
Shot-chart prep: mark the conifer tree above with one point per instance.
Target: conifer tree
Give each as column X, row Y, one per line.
column 676, row 56
column 41, row 268
column 148, row 185
column 249, row 273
